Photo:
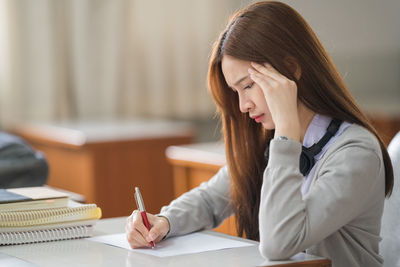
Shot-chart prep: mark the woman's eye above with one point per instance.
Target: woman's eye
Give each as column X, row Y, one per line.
column 249, row 86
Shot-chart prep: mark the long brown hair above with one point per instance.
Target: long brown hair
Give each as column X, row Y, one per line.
column 270, row 32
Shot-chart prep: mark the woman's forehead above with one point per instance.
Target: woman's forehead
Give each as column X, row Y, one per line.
column 234, row 70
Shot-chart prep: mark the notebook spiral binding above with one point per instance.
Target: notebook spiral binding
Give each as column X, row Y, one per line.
column 47, row 216
column 14, row 238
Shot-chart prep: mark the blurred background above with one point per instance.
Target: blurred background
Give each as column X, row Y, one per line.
column 76, row 73
column 95, row 59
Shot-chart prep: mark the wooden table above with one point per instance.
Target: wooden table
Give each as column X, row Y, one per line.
column 196, row 163
column 105, row 160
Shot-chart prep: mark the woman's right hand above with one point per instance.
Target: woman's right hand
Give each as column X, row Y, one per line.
column 281, row 97
column 137, row 234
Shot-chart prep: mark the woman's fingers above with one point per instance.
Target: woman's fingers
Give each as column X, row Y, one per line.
column 136, row 231
column 268, row 70
column 268, row 77
column 139, row 236
column 136, row 240
column 264, row 82
column 138, row 224
column 160, row 228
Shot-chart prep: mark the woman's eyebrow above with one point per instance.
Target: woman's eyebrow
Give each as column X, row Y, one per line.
column 240, row 80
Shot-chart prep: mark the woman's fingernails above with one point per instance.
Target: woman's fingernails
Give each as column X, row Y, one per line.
column 251, row 71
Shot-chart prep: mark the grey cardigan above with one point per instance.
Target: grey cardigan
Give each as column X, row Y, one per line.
column 339, row 218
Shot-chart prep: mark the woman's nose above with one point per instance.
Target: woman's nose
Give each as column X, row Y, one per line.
column 245, row 104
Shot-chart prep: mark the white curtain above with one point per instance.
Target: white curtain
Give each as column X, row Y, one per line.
column 91, row 59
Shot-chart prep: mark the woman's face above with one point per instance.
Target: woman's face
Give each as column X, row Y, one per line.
column 251, row 97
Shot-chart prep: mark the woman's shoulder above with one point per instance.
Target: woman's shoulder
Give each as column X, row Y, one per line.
column 357, row 151
column 359, row 136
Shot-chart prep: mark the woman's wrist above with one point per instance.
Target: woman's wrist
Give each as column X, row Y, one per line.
column 167, row 222
column 291, row 132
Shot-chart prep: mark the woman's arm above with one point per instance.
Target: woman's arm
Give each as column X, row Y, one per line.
column 203, row 207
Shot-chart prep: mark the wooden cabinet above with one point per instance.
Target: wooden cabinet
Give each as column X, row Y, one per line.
column 104, row 161
column 386, row 125
column 194, row 164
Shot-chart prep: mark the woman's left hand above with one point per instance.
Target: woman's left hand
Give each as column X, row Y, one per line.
column 281, row 97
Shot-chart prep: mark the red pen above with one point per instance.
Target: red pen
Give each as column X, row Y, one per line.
column 142, row 210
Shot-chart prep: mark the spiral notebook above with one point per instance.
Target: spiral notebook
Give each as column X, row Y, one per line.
column 74, row 221
column 73, row 212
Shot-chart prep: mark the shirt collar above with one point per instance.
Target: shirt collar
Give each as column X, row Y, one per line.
column 316, row 129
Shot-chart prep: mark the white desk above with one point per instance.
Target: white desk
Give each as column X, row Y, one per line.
column 81, row 252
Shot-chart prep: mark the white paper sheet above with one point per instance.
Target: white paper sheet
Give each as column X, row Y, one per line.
column 187, row 244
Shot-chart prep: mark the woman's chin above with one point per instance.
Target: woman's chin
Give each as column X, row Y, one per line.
column 268, row 125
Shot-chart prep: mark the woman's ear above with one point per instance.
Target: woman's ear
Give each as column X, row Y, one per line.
column 293, row 66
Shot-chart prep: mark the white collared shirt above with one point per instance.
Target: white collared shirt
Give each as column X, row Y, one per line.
column 315, row 132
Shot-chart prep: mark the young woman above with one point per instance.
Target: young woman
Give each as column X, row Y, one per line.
column 276, row 89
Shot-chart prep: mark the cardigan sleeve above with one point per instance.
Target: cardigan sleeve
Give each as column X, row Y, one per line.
column 347, row 180
column 204, row 207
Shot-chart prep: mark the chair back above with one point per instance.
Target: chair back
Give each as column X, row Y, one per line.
column 390, row 231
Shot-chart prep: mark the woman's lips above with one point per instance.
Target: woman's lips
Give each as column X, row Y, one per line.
column 258, row 118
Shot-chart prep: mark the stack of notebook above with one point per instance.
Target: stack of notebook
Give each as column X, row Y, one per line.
column 39, row 214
